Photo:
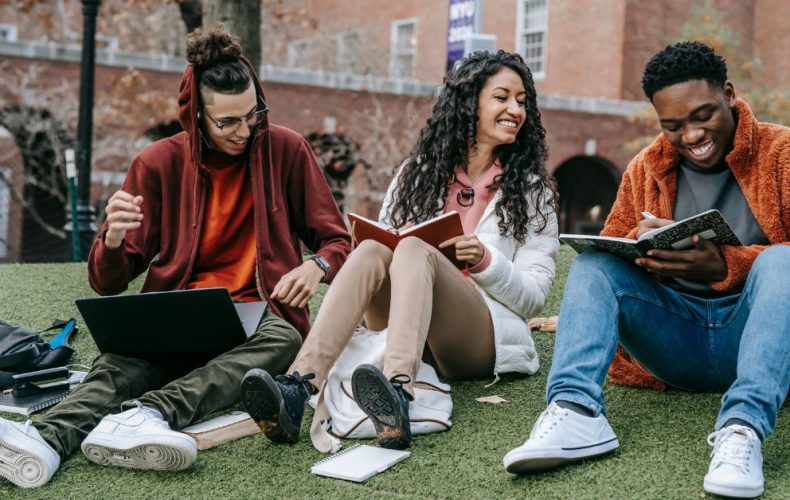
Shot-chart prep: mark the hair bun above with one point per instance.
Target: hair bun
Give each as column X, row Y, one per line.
column 211, row 47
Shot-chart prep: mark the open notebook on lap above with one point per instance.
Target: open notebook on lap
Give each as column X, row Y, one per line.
column 195, row 325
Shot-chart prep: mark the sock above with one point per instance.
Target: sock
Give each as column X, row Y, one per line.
column 738, row 421
column 575, row 407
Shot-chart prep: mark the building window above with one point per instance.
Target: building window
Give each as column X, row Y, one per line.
column 403, row 47
column 348, row 53
column 532, row 24
column 8, row 32
column 298, row 57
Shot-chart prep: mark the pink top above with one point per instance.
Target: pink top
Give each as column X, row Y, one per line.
column 483, row 191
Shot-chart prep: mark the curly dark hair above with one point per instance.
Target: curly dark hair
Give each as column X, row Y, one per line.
column 215, row 55
column 448, row 137
column 683, row 62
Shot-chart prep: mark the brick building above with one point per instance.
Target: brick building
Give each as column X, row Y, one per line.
column 368, row 70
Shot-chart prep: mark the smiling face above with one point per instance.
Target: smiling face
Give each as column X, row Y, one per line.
column 697, row 119
column 222, row 107
column 501, row 108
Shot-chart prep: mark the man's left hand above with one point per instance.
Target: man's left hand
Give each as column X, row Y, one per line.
column 297, row 287
column 704, row 262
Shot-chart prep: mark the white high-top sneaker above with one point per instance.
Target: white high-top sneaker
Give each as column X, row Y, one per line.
column 139, row 439
column 25, row 458
column 561, row 436
column 736, row 466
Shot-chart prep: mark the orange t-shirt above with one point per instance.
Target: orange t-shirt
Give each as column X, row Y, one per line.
column 226, row 251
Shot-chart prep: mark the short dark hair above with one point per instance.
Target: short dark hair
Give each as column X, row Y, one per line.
column 683, row 62
column 216, row 55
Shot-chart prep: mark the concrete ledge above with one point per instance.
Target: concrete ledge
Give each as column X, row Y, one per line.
column 298, row 76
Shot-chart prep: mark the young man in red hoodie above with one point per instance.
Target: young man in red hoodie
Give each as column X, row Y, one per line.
column 222, row 204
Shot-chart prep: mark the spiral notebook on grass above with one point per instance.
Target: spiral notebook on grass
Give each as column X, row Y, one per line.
column 29, row 404
column 358, row 463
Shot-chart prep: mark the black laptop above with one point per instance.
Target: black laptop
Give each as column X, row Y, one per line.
column 185, row 326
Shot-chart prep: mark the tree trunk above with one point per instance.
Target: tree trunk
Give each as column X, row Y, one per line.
column 191, row 13
column 240, row 17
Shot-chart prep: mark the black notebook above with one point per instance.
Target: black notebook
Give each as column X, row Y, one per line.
column 676, row 236
column 26, row 405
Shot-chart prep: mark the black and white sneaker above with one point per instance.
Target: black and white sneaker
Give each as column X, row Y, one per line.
column 276, row 403
column 386, row 403
column 561, row 436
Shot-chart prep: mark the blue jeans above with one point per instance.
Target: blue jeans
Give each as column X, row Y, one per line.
column 738, row 343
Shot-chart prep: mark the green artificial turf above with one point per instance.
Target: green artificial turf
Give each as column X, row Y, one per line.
column 663, row 453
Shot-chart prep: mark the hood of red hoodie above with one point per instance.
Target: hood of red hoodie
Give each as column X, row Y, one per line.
column 189, row 105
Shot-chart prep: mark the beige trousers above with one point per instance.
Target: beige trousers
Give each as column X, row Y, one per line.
column 419, row 296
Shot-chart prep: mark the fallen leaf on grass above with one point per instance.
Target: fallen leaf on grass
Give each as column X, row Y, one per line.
column 491, row 399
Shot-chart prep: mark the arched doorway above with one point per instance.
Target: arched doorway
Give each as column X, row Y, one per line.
column 588, row 187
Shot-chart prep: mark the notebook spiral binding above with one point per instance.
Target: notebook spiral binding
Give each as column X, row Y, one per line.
column 46, row 403
column 335, row 455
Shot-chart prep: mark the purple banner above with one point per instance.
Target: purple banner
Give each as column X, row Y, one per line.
column 461, row 24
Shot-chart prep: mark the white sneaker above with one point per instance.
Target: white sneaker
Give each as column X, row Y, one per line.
column 139, row 439
column 25, row 458
column 736, row 466
column 561, row 436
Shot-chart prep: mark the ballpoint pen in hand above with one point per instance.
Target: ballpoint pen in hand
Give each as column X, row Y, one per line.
column 648, row 215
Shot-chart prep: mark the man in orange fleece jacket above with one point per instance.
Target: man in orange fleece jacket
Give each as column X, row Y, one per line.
column 708, row 318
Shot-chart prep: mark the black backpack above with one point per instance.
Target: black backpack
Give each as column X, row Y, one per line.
column 23, row 351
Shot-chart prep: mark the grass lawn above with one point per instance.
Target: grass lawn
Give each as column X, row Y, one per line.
column 663, row 453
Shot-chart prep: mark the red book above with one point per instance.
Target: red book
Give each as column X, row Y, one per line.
column 433, row 232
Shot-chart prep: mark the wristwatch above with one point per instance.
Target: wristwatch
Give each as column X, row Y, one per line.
column 322, row 263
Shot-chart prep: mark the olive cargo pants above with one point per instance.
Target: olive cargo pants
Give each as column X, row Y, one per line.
column 181, row 395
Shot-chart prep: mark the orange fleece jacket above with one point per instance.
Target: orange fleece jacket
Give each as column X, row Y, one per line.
column 760, row 162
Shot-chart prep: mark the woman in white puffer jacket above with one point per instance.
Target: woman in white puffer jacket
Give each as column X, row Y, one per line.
column 483, row 154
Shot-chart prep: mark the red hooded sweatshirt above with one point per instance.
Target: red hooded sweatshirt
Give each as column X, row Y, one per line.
column 292, row 202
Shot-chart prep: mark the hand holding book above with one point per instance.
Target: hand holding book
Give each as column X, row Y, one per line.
column 702, row 263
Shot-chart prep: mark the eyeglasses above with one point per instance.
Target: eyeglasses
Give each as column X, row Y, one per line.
column 466, row 197
column 230, row 125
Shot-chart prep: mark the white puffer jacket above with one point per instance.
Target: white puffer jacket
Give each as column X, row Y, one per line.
column 515, row 285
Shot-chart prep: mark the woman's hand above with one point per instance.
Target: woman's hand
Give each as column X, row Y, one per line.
column 467, row 248
column 298, row 286
column 123, row 214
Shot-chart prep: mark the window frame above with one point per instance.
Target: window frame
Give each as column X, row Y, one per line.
column 396, row 53
column 293, row 55
column 522, row 32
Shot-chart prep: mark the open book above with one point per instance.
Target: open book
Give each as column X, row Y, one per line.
column 676, row 236
column 358, row 463
column 433, row 231
column 221, row 429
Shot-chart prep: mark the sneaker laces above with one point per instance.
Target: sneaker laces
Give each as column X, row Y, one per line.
column 297, row 379
column 398, row 381
column 548, row 420
column 733, row 445
column 153, row 414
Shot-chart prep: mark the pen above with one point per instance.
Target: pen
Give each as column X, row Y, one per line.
column 648, row 215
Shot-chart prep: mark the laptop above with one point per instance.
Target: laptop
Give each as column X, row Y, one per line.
column 191, row 326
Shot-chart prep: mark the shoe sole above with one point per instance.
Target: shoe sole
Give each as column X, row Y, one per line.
column 262, row 399
column 537, row 460
column 22, row 467
column 377, row 398
column 173, row 455
column 729, row 491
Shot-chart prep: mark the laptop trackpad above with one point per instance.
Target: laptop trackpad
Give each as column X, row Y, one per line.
column 250, row 314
